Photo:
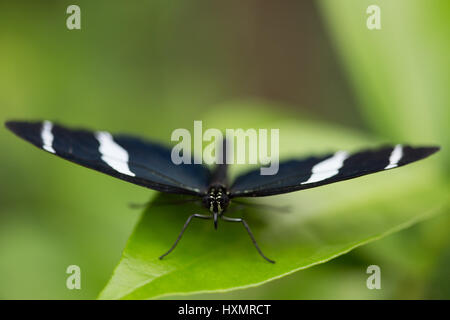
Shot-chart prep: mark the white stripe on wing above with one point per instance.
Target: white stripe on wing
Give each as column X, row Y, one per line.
column 113, row 154
column 327, row 168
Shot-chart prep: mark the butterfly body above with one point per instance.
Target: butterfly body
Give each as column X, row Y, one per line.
column 216, row 201
column 149, row 164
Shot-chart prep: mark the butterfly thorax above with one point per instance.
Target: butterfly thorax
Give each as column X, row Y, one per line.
column 216, row 201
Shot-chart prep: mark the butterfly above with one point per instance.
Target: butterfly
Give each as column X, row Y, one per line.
column 149, row 164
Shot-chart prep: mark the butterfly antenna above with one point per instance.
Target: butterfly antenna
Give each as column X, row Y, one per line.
column 133, row 205
column 283, row 209
column 249, row 233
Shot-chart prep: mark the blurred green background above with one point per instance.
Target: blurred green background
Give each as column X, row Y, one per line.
column 148, row 67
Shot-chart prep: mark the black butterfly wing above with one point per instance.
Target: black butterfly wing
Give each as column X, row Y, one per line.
column 125, row 157
column 316, row 171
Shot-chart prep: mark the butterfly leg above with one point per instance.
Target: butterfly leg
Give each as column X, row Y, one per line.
column 200, row 216
column 249, row 233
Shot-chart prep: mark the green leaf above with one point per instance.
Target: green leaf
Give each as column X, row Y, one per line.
column 323, row 223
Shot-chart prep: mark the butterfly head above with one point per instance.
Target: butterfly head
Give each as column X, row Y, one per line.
column 216, row 201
